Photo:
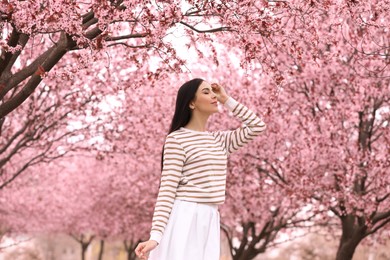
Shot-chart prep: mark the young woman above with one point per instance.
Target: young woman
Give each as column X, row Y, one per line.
column 186, row 220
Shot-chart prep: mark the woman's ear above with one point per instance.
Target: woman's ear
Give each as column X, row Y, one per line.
column 192, row 106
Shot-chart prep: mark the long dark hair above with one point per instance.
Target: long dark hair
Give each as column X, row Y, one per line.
column 185, row 95
column 182, row 114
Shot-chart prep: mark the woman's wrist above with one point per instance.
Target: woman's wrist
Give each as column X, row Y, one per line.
column 230, row 103
column 223, row 99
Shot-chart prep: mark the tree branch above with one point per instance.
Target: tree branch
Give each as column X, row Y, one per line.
column 128, row 36
column 25, row 73
column 129, row 46
column 220, row 29
column 379, row 200
column 10, row 58
column 58, row 52
column 380, row 216
column 32, row 161
column 384, row 223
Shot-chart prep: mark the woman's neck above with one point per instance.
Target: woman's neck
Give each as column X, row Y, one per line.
column 197, row 122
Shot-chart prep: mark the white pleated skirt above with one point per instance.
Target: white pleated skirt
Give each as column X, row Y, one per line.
column 192, row 233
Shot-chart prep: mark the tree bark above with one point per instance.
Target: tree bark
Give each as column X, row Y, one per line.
column 250, row 248
column 44, row 63
column 101, row 250
column 55, row 55
column 130, row 247
column 84, row 247
column 353, row 232
column 84, row 242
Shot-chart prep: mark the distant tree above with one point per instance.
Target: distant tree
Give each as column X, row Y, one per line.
column 84, row 241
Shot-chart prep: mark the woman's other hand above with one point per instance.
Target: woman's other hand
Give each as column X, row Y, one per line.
column 143, row 249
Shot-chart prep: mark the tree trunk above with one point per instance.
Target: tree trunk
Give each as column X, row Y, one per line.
column 353, row 232
column 84, row 247
column 84, row 242
column 248, row 254
column 101, row 250
column 347, row 249
column 130, row 247
column 250, row 248
column 131, row 255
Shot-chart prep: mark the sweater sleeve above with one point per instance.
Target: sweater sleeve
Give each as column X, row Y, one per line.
column 252, row 126
column 173, row 162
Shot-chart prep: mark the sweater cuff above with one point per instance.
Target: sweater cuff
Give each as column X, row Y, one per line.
column 156, row 236
column 230, row 103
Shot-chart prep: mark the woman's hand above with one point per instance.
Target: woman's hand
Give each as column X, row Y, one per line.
column 143, row 249
column 219, row 92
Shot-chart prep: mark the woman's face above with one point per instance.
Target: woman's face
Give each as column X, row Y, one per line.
column 205, row 99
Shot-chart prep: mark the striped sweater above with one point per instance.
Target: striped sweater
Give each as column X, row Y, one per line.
column 195, row 163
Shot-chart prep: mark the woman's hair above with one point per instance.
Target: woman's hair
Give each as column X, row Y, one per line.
column 182, row 114
column 185, row 95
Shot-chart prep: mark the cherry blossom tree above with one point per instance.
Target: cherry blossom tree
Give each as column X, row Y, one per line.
column 52, row 43
column 328, row 135
column 340, row 146
column 330, row 130
column 316, row 70
column 331, row 138
column 40, row 35
column 44, row 135
column 272, row 165
column 327, row 147
column 93, row 199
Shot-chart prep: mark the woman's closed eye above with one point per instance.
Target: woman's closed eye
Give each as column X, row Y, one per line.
column 209, row 92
